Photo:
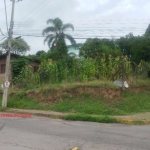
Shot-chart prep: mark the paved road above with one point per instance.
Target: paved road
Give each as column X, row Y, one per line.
column 39, row 133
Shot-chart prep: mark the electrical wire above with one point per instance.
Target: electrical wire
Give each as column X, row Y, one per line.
column 8, row 6
column 74, row 38
column 2, row 38
column 45, row 3
column 4, row 7
column 38, row 10
column 29, row 13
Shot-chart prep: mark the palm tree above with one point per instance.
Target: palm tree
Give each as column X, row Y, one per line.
column 56, row 31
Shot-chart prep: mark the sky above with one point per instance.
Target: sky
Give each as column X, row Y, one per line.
column 91, row 18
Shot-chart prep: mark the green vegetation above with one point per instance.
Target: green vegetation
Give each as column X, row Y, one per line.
column 19, row 46
column 94, row 48
column 84, row 117
column 129, row 103
column 147, row 32
column 137, row 48
column 63, row 82
column 100, row 59
column 72, row 70
column 57, row 29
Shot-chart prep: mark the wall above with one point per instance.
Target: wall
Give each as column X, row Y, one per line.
column 35, row 64
column 2, row 75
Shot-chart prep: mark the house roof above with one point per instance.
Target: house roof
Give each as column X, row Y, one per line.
column 12, row 55
column 17, row 56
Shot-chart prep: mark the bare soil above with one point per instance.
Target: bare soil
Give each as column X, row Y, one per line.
column 52, row 95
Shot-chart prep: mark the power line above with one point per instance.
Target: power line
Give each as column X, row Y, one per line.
column 86, row 31
column 104, row 20
column 4, row 7
column 32, row 10
column 2, row 39
column 6, row 15
column 7, row 6
column 38, row 10
column 46, row 2
column 91, row 23
column 74, row 38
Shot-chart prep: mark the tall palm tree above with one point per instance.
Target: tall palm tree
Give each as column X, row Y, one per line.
column 56, row 31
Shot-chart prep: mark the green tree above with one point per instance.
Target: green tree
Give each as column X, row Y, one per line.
column 18, row 65
column 19, row 46
column 60, row 51
column 135, row 47
column 56, row 31
column 147, row 32
column 94, row 48
column 125, row 44
column 40, row 53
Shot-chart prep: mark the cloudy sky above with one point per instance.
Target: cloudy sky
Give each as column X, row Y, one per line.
column 91, row 18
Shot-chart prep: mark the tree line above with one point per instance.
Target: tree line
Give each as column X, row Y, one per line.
column 93, row 54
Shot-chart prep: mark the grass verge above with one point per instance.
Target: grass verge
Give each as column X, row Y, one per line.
column 130, row 103
column 104, row 119
column 86, row 117
column 3, row 109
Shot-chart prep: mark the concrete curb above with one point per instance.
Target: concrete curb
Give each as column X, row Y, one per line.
column 133, row 121
column 37, row 113
column 58, row 115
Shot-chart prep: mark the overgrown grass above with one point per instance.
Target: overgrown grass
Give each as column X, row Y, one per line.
column 3, row 109
column 129, row 104
column 64, row 85
column 85, row 117
column 141, row 82
column 84, row 104
column 133, row 102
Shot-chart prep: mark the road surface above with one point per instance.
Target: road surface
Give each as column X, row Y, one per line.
column 39, row 133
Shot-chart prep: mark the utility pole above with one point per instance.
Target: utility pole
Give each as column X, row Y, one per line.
column 7, row 68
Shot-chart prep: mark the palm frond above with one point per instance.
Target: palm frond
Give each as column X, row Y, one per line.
column 71, row 39
column 50, row 41
column 48, row 29
column 55, row 41
column 53, row 44
column 50, row 21
column 67, row 26
column 48, row 37
column 57, row 23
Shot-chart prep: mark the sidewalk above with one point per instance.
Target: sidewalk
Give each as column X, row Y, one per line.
column 142, row 118
column 43, row 113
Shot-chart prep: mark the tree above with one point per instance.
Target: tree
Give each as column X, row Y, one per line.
column 147, row 32
column 40, row 53
column 135, row 47
column 60, row 51
column 56, row 31
column 94, row 48
column 19, row 46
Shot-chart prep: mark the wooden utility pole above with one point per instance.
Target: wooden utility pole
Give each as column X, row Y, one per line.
column 123, row 73
column 7, row 69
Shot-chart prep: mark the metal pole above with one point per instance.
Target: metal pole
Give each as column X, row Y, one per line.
column 7, row 69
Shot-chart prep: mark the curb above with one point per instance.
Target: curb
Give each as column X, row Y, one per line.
column 56, row 115
column 49, row 115
column 134, row 122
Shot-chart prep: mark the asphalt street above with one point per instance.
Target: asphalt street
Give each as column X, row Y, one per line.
column 40, row 133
